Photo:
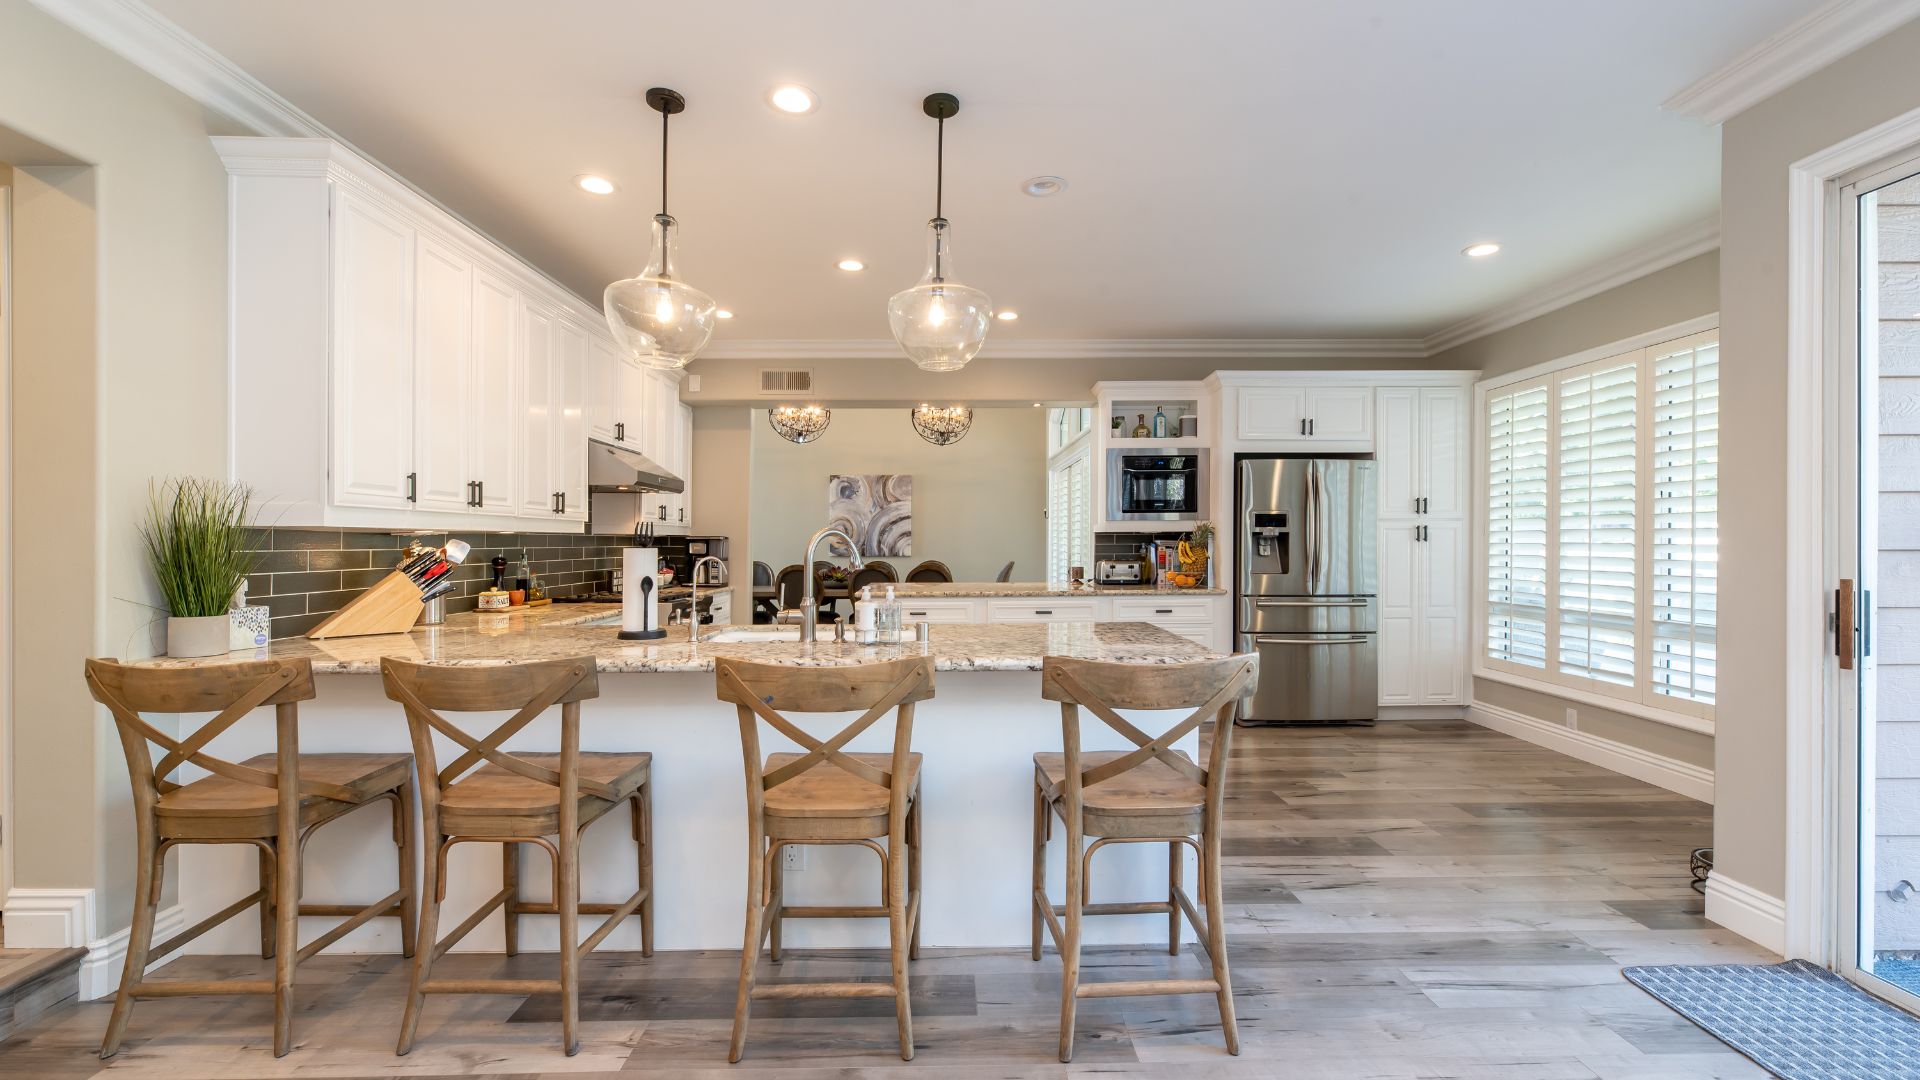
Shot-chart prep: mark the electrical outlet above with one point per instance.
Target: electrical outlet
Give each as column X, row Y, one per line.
column 793, row 857
column 1573, row 719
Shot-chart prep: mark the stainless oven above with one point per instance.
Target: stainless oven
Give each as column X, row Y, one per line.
column 1156, row 484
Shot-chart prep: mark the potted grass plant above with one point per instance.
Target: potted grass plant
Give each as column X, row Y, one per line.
column 197, row 544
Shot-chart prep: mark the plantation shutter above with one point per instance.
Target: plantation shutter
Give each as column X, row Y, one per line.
column 1516, row 557
column 1685, row 428
column 1069, row 517
column 1597, row 459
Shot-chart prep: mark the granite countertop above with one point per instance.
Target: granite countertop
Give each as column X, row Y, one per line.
column 976, row 590
column 565, row 630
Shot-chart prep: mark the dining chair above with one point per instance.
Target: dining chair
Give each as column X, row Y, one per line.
column 1006, row 572
column 930, row 571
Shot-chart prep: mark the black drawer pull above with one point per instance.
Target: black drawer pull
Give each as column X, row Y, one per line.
column 1163, row 611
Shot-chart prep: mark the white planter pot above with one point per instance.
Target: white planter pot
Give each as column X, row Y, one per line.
column 205, row 635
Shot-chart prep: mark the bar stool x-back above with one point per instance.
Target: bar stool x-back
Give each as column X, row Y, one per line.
column 1151, row 794
column 490, row 795
column 829, row 796
column 272, row 801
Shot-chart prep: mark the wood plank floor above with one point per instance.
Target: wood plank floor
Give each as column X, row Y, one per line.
column 1420, row 899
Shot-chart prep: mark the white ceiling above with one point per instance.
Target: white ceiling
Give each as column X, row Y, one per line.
column 1245, row 169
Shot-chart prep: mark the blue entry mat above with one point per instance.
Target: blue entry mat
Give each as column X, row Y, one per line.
column 1797, row 1020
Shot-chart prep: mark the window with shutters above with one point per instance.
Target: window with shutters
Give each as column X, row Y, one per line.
column 1598, row 517
column 1069, row 492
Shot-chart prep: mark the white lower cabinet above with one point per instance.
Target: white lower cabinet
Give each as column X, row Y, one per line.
column 940, row 611
column 1422, row 608
column 1045, row 610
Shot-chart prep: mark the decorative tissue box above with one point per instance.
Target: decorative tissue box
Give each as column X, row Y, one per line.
column 251, row 627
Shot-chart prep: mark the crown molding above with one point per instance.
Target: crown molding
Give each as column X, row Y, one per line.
column 1669, row 250
column 1088, row 349
column 1824, row 35
column 158, row 46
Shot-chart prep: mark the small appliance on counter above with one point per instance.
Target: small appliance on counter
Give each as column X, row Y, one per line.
column 1156, row 485
column 1121, row 572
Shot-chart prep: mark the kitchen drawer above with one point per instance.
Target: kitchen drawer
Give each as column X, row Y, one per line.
column 1202, row 634
column 1161, row 609
column 1000, row 611
column 940, row 611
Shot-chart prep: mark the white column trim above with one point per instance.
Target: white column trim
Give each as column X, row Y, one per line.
column 48, row 918
column 1745, row 910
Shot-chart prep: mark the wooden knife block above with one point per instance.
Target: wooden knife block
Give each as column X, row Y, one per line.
column 391, row 607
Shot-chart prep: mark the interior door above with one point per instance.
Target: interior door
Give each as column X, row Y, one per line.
column 1876, row 600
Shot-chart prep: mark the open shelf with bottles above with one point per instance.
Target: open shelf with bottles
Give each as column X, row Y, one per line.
column 1162, row 418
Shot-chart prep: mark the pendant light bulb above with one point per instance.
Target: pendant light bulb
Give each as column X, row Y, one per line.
column 940, row 323
column 659, row 320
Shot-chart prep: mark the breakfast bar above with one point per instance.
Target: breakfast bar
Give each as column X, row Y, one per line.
column 977, row 734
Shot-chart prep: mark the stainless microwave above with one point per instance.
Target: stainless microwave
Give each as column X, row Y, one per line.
column 1150, row 484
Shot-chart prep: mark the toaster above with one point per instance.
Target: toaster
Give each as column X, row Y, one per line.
column 1120, row 572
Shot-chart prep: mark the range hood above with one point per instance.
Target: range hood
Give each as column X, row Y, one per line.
column 612, row 469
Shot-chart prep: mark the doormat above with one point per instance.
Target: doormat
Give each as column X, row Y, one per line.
column 1797, row 1020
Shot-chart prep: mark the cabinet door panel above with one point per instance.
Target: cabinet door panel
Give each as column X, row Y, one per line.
column 1399, row 614
column 570, row 447
column 1443, row 451
column 538, row 414
column 685, row 462
column 604, row 372
column 372, row 379
column 1397, row 450
column 493, row 413
column 442, row 390
column 630, row 409
column 1273, row 413
column 1443, row 615
column 1342, row 413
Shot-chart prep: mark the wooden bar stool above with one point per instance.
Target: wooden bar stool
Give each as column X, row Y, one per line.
column 792, row 799
column 493, row 796
column 272, row 801
column 1152, row 794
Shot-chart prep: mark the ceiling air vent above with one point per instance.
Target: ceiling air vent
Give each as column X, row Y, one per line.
column 786, row 382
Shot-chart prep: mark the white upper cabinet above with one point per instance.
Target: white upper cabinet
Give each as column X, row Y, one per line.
column 1310, row 415
column 1422, row 449
column 442, row 376
column 494, row 409
column 603, row 392
column 372, row 370
column 392, row 368
column 1396, row 449
column 630, row 395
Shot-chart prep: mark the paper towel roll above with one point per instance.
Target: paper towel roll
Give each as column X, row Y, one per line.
column 640, row 594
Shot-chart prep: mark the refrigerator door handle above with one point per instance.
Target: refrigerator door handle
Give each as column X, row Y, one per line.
column 1313, row 526
column 1309, row 641
column 1353, row 602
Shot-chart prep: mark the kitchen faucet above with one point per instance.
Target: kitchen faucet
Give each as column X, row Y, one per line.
column 807, row 600
column 693, row 579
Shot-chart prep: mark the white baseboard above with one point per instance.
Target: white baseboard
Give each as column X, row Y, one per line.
column 1423, row 712
column 1675, row 775
column 1747, row 911
column 48, row 918
column 107, row 957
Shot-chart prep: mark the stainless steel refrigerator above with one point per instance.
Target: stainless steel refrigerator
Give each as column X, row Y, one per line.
column 1306, row 599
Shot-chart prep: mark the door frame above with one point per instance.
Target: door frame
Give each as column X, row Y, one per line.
column 1818, row 318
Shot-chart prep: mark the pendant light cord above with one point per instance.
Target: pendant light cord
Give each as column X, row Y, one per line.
column 940, row 166
column 664, row 117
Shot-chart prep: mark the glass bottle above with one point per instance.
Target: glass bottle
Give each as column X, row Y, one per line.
column 1140, row 430
column 887, row 620
column 1160, row 423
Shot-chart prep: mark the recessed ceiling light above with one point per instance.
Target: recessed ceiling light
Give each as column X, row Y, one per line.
column 1006, row 316
column 722, row 313
column 1480, row 250
column 595, row 185
column 851, row 265
column 1041, row 187
column 792, row 98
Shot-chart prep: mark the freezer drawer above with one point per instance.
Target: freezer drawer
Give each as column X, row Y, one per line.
column 1314, row 678
column 1307, row 615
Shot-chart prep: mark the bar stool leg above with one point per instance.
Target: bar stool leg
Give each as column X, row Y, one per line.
column 266, row 904
column 1217, row 937
column 913, row 876
column 429, row 927
column 1176, row 869
column 777, row 899
column 286, row 907
column 1070, row 950
column 750, row 949
column 147, row 871
column 405, row 837
column 643, row 835
column 1039, row 862
column 510, row 883
column 568, row 896
column 896, row 871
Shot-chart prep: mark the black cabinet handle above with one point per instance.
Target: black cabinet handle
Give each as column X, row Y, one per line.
column 620, row 431
column 919, row 613
column 413, row 487
column 1303, row 425
column 1163, row 611
column 479, row 493
column 563, row 502
column 1043, row 611
column 1309, row 427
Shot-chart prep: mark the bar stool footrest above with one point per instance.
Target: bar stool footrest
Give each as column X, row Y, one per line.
column 1147, row 988
column 823, row 990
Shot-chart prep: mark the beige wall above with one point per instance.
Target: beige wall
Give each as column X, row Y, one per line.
column 723, row 472
column 976, row 503
column 118, row 378
column 1873, row 85
column 1684, row 291
column 1678, row 293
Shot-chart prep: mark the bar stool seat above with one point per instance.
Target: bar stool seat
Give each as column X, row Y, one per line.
column 218, row 807
column 832, row 803
column 493, row 800
column 1150, row 796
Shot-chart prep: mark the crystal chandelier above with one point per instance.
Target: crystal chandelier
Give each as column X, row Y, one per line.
column 939, row 322
column 799, row 423
column 942, row 425
column 659, row 320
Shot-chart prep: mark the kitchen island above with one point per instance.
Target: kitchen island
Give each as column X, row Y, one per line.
column 978, row 735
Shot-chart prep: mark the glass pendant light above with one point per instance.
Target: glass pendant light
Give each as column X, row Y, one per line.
column 659, row 320
column 940, row 323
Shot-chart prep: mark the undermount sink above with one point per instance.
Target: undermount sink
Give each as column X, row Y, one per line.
column 739, row 634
